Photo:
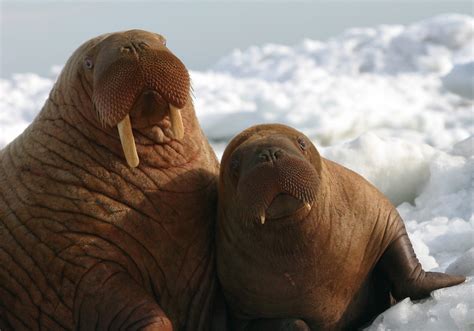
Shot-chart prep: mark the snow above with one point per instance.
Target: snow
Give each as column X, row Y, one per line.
column 394, row 103
column 460, row 80
column 442, row 312
column 385, row 79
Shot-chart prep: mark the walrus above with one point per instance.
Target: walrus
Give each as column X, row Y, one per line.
column 108, row 199
column 303, row 243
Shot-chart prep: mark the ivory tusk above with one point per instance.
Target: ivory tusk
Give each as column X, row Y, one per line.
column 176, row 122
column 128, row 141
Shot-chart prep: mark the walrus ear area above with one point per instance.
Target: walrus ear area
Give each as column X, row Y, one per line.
column 314, row 157
column 89, row 51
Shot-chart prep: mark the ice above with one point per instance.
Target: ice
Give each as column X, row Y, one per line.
column 460, row 80
column 442, row 312
column 465, row 147
column 464, row 265
column 433, row 190
column 386, row 79
column 399, row 168
column 332, row 108
column 430, row 46
column 21, row 97
column 393, row 103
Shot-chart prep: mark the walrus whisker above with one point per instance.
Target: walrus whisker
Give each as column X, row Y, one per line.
column 99, row 116
column 128, row 141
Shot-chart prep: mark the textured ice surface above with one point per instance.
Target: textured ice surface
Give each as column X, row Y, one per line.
column 460, row 80
column 444, row 311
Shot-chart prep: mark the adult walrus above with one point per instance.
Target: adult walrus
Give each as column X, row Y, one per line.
column 106, row 228
column 306, row 244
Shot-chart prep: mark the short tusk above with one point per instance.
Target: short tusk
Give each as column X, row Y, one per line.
column 176, row 122
column 262, row 219
column 128, row 142
column 307, row 205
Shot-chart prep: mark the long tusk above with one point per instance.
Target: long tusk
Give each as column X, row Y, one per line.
column 176, row 122
column 128, row 142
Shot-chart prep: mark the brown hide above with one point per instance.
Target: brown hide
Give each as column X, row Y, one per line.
column 85, row 240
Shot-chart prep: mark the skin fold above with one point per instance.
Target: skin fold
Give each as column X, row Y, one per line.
column 305, row 244
column 89, row 242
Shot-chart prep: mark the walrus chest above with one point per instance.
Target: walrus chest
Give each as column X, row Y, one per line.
column 73, row 220
column 314, row 277
column 309, row 290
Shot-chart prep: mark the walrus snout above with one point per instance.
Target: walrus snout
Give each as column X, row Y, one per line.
column 275, row 178
column 137, row 73
column 129, row 64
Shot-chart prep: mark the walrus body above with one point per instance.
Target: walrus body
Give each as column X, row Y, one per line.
column 306, row 244
column 89, row 242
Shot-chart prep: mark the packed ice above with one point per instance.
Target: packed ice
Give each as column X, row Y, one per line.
column 394, row 103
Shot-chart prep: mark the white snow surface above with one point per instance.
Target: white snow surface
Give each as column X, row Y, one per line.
column 378, row 100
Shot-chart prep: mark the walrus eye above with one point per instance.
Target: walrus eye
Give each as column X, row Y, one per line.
column 88, row 63
column 302, row 144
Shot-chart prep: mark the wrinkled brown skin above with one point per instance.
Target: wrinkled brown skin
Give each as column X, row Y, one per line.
column 333, row 267
column 86, row 242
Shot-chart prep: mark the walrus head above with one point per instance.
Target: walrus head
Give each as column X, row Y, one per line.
column 272, row 170
column 131, row 81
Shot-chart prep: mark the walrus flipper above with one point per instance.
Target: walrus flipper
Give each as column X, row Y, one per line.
column 405, row 273
column 109, row 299
column 271, row 324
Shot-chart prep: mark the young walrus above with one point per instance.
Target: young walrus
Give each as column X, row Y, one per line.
column 306, row 244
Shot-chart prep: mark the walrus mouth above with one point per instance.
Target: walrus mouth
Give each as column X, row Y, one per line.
column 128, row 140
column 284, row 205
column 282, row 190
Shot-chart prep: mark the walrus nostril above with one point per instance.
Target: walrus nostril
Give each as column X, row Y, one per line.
column 126, row 49
column 270, row 154
column 142, row 45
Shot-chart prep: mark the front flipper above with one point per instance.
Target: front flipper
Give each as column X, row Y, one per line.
column 274, row 324
column 405, row 273
column 107, row 298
